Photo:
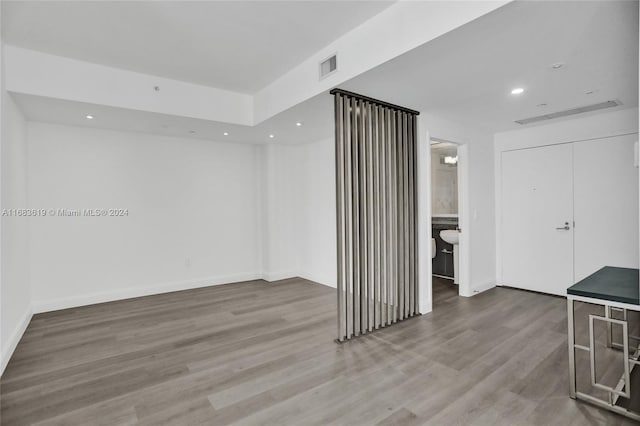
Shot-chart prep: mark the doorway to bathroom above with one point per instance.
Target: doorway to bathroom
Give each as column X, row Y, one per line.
column 445, row 221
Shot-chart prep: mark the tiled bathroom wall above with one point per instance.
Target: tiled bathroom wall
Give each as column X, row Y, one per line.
column 444, row 186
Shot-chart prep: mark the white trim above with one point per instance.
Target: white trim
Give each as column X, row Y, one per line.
column 425, row 302
column 317, row 282
column 322, row 281
column 497, row 190
column 15, row 339
column 464, row 245
column 39, row 306
column 444, row 277
column 482, row 287
column 279, row 275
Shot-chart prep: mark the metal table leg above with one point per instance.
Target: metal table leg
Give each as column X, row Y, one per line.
column 607, row 314
column 572, row 349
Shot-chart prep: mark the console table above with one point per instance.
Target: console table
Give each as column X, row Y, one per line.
column 617, row 289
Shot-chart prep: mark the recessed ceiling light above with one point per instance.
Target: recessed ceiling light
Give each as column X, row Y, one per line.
column 89, row 117
column 590, row 92
column 226, row 133
column 298, row 124
column 557, row 65
column 517, row 91
column 272, row 136
column 541, row 105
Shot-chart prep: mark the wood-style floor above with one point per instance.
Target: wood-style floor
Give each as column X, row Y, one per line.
column 263, row 353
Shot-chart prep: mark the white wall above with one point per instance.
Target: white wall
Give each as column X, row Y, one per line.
column 444, row 184
column 476, row 208
column 583, row 128
column 605, row 179
column 481, row 223
column 282, row 187
column 193, row 214
column 319, row 246
column 304, row 197
column 15, row 306
column 300, row 230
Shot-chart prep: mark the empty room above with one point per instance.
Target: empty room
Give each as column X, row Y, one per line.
column 319, row 213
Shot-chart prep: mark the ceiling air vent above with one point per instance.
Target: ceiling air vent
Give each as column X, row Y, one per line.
column 574, row 111
column 328, row 66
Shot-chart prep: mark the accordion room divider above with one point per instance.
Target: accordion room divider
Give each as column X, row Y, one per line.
column 376, row 200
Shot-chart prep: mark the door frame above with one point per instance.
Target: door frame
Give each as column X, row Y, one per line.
column 503, row 145
column 425, row 217
column 570, row 218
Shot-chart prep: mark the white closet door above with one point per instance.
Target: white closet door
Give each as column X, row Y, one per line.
column 537, row 219
column 606, row 204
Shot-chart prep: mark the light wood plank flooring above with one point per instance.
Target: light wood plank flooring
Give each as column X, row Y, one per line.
column 263, row 353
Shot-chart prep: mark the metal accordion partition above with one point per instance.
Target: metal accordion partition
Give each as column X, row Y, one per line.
column 376, row 190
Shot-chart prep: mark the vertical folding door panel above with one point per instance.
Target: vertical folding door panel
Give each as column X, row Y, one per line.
column 376, row 194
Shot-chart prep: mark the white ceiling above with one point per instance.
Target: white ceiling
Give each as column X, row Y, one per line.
column 315, row 115
column 468, row 74
column 234, row 45
column 465, row 75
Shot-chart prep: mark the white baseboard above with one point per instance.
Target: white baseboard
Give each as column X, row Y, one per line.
column 15, row 339
column 479, row 288
column 280, row 275
column 425, row 306
column 317, row 281
column 39, row 306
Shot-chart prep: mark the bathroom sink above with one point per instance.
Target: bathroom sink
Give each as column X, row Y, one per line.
column 450, row 235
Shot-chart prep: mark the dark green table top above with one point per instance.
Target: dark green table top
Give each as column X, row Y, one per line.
column 610, row 283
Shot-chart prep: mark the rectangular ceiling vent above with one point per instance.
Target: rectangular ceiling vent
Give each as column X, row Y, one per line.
column 574, row 111
column 328, row 66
